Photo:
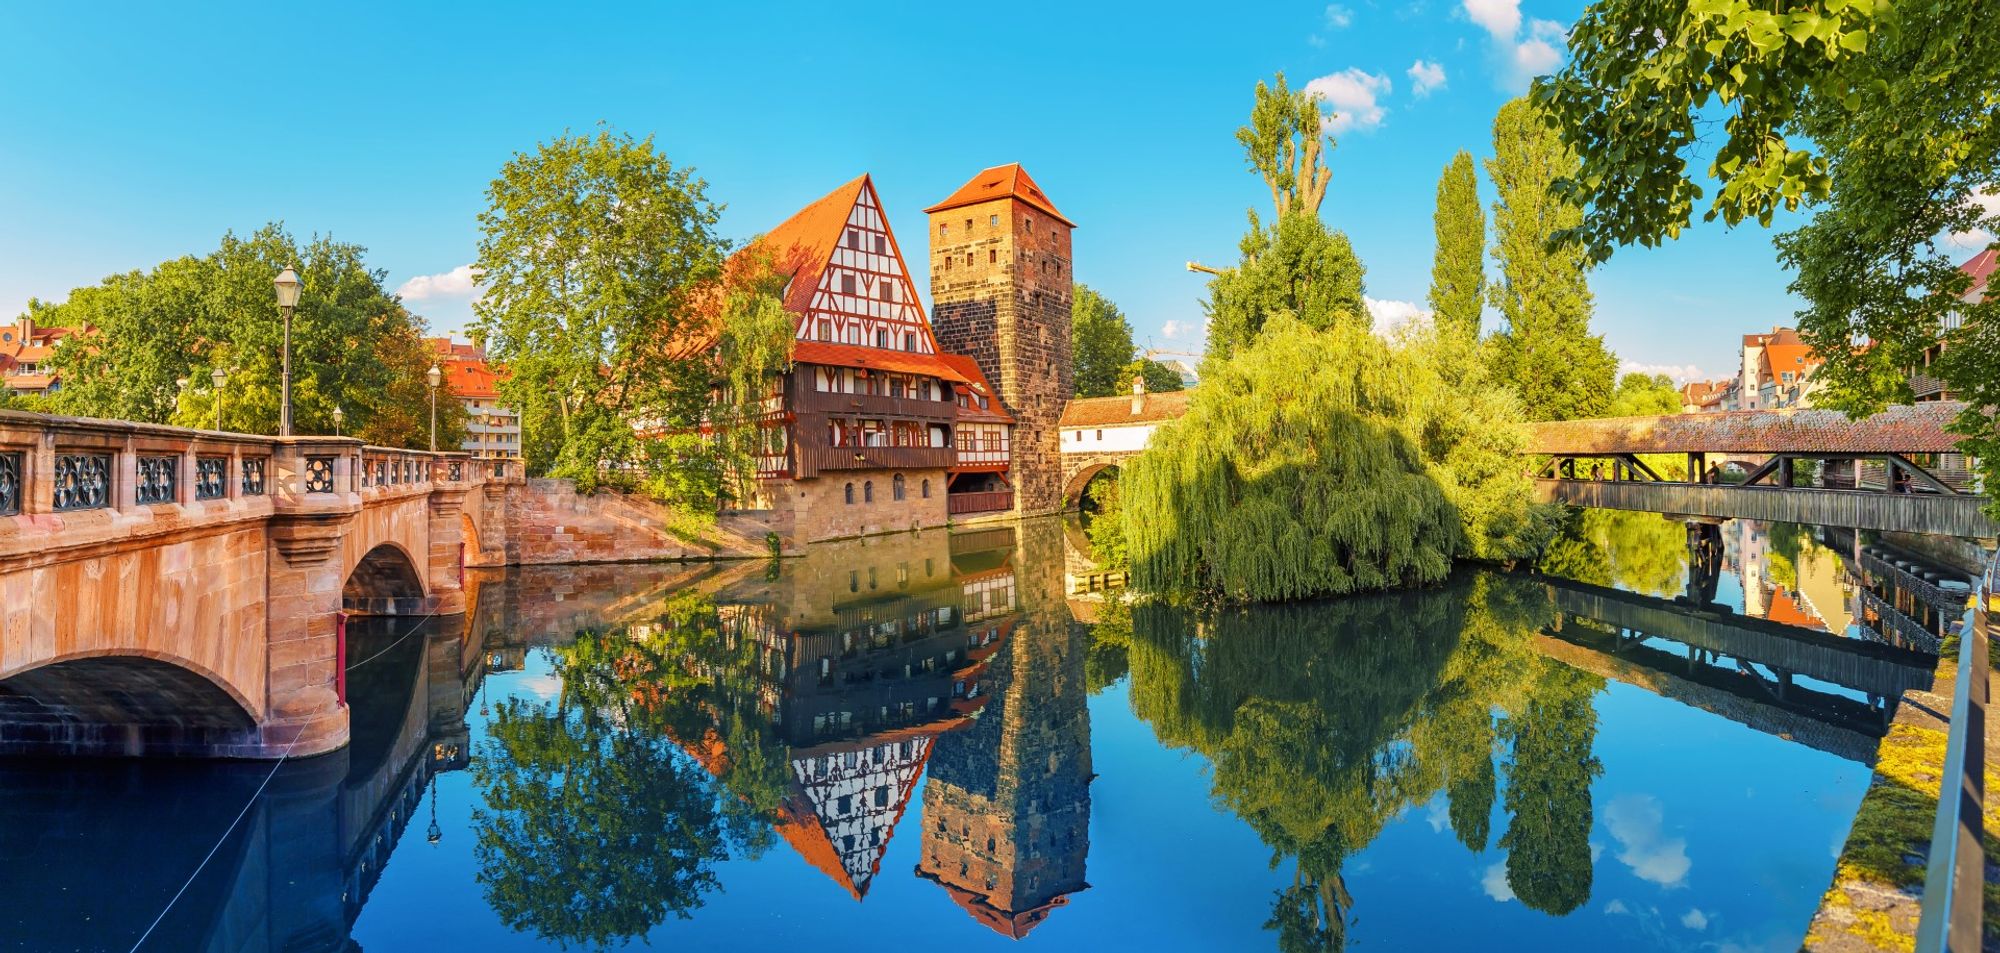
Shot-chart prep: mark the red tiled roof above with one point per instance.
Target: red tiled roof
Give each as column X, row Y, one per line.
column 999, row 182
column 1785, row 608
column 1116, row 411
column 801, row 246
column 1015, row 926
column 1980, row 269
column 879, row 359
column 976, row 383
column 1917, row 428
column 465, row 369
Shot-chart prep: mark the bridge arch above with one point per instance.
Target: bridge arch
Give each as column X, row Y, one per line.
column 382, row 579
column 1079, row 480
column 134, row 702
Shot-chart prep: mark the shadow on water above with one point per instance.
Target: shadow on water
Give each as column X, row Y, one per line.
column 623, row 739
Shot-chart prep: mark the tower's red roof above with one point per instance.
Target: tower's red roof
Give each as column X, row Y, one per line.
column 999, row 182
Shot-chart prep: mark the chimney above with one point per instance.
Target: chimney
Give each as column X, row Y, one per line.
column 1138, row 393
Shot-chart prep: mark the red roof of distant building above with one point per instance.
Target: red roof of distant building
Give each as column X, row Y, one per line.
column 1980, row 269
column 1000, row 182
column 1786, row 608
column 465, row 369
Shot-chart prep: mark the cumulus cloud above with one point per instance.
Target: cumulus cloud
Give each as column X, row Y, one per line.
column 1494, row 882
column 1353, row 95
column 1425, row 78
column 1694, row 920
column 460, row 282
column 1977, row 238
column 1501, row 18
column 1635, row 822
column 1172, row 329
column 1338, row 17
column 1681, row 373
column 1389, row 315
column 1519, row 57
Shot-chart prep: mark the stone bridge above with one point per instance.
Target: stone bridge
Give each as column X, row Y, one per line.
column 181, row 592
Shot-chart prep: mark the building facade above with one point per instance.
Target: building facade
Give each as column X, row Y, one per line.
column 1776, row 373
column 1979, row 269
column 26, row 350
column 492, row 429
column 886, row 422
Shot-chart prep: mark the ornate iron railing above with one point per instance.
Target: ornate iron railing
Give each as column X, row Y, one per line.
column 10, row 484
column 158, row 480
column 211, row 478
column 253, row 476
column 83, row 481
column 319, row 474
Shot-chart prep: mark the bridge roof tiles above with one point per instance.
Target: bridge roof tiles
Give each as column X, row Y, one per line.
column 1118, row 411
column 1918, row 428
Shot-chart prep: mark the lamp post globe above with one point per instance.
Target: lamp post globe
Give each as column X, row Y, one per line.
column 338, row 416
column 436, row 377
column 288, row 286
column 218, row 377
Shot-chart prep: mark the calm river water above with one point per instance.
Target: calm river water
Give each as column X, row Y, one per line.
column 921, row 740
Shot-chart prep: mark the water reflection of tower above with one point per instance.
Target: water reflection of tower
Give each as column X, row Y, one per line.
column 1007, row 810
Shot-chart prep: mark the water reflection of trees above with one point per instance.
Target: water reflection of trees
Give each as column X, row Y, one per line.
column 1323, row 722
column 1640, row 552
column 596, row 824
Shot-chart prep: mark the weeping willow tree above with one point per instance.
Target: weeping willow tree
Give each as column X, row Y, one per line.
column 1324, row 461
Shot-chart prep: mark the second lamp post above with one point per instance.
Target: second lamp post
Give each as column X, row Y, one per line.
column 288, row 299
column 436, row 377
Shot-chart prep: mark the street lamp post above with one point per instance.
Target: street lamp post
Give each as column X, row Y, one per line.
column 287, row 284
column 218, row 377
column 338, row 416
column 436, row 377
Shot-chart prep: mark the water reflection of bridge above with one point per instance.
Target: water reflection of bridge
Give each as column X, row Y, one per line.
column 1821, row 690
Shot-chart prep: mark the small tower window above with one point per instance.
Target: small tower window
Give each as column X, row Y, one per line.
column 993, row 221
column 968, row 226
column 993, row 256
column 896, row 488
column 850, row 494
column 868, row 492
column 968, row 259
column 927, row 495
column 944, row 229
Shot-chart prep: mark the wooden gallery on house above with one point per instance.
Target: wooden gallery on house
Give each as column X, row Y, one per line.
column 876, row 427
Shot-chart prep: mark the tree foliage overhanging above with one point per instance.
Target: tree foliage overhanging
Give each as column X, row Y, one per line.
column 354, row 345
column 1878, row 117
column 1320, row 462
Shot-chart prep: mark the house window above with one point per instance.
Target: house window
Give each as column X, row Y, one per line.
column 853, row 238
column 881, row 245
column 868, row 491
column 896, row 488
column 881, row 338
column 886, row 291
column 825, row 330
column 847, row 284
column 850, row 494
column 910, row 344
column 1100, row 435
column 926, row 490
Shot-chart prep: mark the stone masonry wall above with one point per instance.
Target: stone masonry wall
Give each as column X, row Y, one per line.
column 1005, row 301
column 816, row 510
column 548, row 521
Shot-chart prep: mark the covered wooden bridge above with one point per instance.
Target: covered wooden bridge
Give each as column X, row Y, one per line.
column 1898, row 470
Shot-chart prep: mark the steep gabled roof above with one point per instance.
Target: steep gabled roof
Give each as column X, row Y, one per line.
column 1980, row 269
column 999, row 182
column 975, row 381
column 801, row 246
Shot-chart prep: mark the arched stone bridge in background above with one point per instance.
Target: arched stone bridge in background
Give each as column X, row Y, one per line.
column 166, row 591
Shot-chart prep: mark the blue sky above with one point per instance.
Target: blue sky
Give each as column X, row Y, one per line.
column 140, row 134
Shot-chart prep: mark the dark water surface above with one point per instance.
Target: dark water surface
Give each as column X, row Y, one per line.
column 920, row 740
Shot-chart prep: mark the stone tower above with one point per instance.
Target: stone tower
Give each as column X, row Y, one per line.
column 1000, row 292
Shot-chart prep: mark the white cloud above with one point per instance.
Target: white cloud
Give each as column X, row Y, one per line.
column 1437, row 816
column 1634, row 821
column 1425, row 78
column 1389, row 315
column 1970, row 238
column 1338, row 17
column 1616, row 907
column 1695, row 920
column 1494, row 882
column 1172, row 329
column 1681, row 373
column 1988, row 200
column 1519, row 58
column 459, row 282
column 1501, row 18
column 1352, row 94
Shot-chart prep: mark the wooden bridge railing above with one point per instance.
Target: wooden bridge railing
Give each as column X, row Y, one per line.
column 1932, row 513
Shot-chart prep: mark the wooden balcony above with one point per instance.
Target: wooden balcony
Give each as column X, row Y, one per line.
column 1926, row 387
column 817, row 459
column 874, row 406
column 958, row 504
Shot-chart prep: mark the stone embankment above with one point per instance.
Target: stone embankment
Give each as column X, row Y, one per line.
column 547, row 522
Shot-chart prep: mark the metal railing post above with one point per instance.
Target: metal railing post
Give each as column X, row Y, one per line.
column 1954, row 902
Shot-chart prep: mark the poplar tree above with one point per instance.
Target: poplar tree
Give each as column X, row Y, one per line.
column 1546, row 352
column 1458, row 276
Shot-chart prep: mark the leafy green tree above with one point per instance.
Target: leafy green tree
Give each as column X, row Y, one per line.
column 1560, row 370
column 1160, row 378
column 354, row 345
column 1297, row 266
column 1549, row 773
column 1101, row 342
column 1458, row 270
column 1644, row 395
column 596, row 256
column 1329, row 461
column 1877, row 117
column 1105, row 521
